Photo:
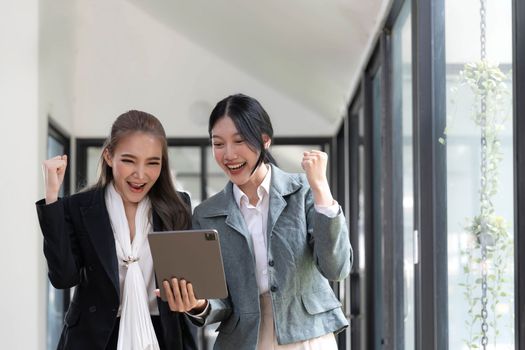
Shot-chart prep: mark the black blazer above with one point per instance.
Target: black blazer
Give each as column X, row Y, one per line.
column 80, row 251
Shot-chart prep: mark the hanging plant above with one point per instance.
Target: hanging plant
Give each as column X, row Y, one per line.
column 485, row 256
column 489, row 244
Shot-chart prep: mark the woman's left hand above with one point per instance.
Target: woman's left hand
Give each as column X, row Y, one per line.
column 314, row 164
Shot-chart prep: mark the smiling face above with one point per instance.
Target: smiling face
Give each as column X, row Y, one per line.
column 236, row 157
column 135, row 164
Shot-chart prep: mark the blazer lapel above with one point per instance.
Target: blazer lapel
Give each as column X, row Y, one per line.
column 156, row 221
column 223, row 204
column 96, row 220
column 235, row 220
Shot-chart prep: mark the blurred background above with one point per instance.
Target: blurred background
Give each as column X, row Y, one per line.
column 391, row 89
column 68, row 68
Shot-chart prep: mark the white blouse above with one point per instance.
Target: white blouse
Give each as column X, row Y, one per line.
column 256, row 219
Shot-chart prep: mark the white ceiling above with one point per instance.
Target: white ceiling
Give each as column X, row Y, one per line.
column 310, row 50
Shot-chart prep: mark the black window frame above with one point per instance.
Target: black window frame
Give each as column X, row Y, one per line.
column 518, row 62
column 356, row 309
column 55, row 131
column 340, row 190
column 375, row 280
column 430, row 200
column 394, row 185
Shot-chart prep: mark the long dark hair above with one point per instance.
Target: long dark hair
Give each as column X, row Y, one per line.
column 251, row 121
column 165, row 201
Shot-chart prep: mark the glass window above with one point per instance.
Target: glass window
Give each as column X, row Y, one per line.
column 185, row 163
column 93, row 159
column 377, row 217
column 357, row 284
column 402, row 92
column 55, row 297
column 216, row 179
column 361, row 197
column 478, row 141
column 289, row 157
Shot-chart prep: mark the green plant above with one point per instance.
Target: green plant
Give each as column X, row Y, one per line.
column 497, row 253
column 489, row 244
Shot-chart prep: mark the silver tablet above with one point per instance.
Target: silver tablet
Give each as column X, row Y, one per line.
column 194, row 255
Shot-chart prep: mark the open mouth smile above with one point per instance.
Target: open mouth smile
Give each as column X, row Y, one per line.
column 236, row 167
column 136, row 187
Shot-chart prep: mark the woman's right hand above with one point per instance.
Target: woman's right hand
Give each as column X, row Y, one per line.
column 54, row 170
column 181, row 298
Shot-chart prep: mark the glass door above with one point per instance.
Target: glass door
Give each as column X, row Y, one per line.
column 480, row 187
column 373, row 204
column 57, row 299
column 403, row 168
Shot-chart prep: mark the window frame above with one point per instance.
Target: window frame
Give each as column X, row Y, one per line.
column 55, row 131
column 356, row 308
column 518, row 62
column 430, row 200
column 393, row 223
column 374, row 268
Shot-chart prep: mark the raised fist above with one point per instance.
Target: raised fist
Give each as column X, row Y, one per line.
column 314, row 164
column 54, row 170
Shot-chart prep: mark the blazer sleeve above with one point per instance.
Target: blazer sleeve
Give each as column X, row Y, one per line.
column 189, row 333
column 330, row 241
column 60, row 243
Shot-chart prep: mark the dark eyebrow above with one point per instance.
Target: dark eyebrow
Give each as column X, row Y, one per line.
column 236, row 134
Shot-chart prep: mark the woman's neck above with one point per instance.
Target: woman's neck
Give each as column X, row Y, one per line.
column 251, row 186
column 131, row 210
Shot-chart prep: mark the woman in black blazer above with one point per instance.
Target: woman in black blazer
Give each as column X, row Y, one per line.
column 95, row 238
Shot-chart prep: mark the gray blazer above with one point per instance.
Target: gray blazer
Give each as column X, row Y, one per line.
column 305, row 250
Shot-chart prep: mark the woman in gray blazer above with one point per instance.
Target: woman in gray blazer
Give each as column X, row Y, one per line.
column 283, row 237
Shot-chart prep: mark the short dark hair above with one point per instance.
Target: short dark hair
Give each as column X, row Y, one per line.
column 250, row 119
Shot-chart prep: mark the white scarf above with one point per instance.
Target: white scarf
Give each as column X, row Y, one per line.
column 136, row 330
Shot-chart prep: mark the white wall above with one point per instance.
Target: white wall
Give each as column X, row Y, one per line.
column 21, row 296
column 36, row 69
column 57, row 61
column 129, row 60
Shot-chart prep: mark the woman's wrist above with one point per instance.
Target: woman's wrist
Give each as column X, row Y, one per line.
column 322, row 195
column 51, row 198
column 200, row 307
